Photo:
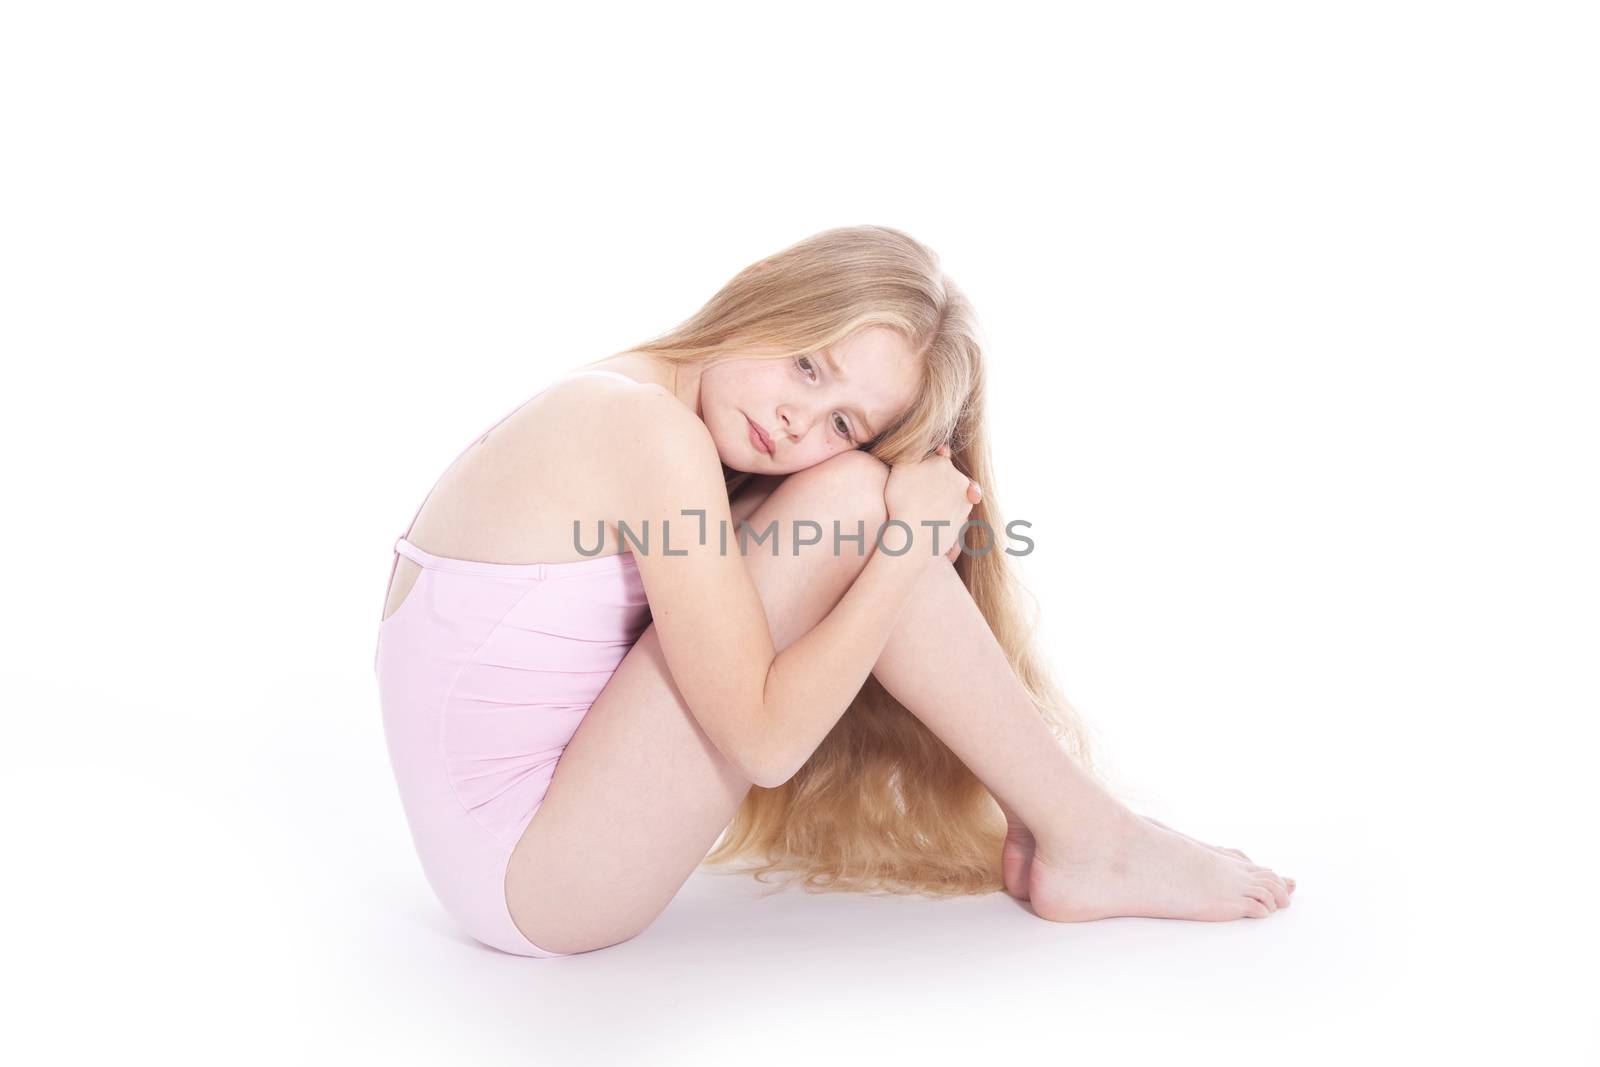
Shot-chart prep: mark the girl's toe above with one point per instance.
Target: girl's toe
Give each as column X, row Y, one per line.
column 1262, row 892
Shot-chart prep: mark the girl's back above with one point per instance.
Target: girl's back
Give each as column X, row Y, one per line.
column 512, row 495
column 500, row 501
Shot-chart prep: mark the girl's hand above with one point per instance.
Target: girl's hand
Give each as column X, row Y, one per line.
column 931, row 490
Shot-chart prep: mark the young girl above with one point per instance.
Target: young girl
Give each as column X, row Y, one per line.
column 751, row 614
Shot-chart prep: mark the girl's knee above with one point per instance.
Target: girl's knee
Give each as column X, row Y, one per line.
column 848, row 485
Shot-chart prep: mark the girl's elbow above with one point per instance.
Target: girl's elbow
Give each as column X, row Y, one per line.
column 767, row 764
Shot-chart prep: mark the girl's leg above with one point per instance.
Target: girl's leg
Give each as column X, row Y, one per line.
column 641, row 794
column 1094, row 857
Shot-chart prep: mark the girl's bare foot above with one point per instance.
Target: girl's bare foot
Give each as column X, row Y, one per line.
column 1016, row 858
column 1132, row 866
column 1225, row 851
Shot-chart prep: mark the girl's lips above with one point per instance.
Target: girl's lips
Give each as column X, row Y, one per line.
column 758, row 437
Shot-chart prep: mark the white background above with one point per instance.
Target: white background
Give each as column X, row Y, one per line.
column 1292, row 323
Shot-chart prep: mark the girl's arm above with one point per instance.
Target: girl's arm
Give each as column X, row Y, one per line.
column 758, row 706
column 811, row 683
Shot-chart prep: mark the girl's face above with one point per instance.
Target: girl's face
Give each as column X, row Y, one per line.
column 810, row 407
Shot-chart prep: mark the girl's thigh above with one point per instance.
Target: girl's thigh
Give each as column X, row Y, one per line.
column 640, row 793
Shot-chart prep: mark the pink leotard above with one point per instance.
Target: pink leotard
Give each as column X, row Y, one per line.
column 484, row 673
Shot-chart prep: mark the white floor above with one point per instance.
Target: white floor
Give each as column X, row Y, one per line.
column 253, row 897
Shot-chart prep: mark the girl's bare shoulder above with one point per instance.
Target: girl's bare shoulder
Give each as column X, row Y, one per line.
column 609, row 419
column 515, row 494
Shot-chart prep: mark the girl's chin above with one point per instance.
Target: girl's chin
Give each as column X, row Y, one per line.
column 739, row 465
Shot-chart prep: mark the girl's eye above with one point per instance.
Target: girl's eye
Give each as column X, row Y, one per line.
column 842, row 427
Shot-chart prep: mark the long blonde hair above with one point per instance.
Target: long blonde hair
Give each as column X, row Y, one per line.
column 883, row 805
